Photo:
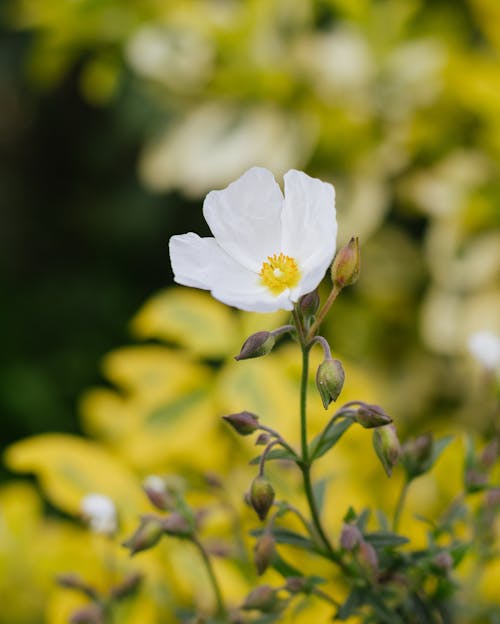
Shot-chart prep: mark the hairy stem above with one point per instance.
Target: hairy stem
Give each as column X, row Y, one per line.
column 323, row 312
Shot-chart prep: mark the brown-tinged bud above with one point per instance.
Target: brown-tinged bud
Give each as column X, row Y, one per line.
column 346, row 266
column 92, row 614
column 371, row 416
column 492, row 500
column 475, row 480
column 261, row 496
column 127, row 587
column 74, row 581
column 262, row 439
column 177, row 525
column 256, row 345
column 309, row 303
column 443, row 560
column 295, row 584
column 157, row 491
column 262, row 598
column 147, row 535
column 264, row 552
column 416, row 455
column 367, row 557
column 350, row 537
column 243, row 423
column 490, row 454
column 387, row 447
column 330, row 380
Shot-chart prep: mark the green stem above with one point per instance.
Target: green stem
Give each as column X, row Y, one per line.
column 400, row 505
column 323, row 312
column 221, row 609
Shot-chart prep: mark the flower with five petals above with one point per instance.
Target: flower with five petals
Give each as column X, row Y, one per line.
column 268, row 249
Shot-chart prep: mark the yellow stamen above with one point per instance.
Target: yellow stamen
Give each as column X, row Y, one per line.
column 279, row 273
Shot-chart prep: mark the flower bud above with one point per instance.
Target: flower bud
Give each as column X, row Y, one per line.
column 350, row 537
column 296, row 584
column 99, row 512
column 177, row 525
column 490, row 454
column 127, row 587
column 261, row 496
column 74, row 581
column 493, row 498
column 371, row 416
column 367, row 557
column 346, row 266
column 309, row 303
column 146, row 536
column 264, row 552
column 92, row 614
column 262, row 439
column 416, row 455
column 329, row 380
column 387, row 447
column 262, row 598
column 475, row 480
column 243, row 423
column 158, row 493
column 443, row 560
column 256, row 345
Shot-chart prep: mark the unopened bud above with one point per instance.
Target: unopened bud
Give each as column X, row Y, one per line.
column 296, row 584
column 443, row 560
column 350, row 537
column 346, row 266
column 262, row 598
column 92, row 614
column 416, row 455
column 330, row 380
column 387, row 447
column 493, row 498
column 74, row 581
column 264, row 552
column 243, row 423
column 262, row 439
column 177, row 525
column 158, row 493
column 475, row 480
column 146, row 536
column 309, row 303
column 127, row 587
column 256, row 345
column 261, row 496
column 367, row 557
column 490, row 454
column 371, row 416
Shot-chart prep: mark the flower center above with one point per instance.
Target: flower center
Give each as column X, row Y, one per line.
column 279, row 272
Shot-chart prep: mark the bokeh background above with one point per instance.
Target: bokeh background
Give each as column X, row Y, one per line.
column 118, row 116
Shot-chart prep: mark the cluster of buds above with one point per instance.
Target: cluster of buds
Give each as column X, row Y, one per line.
column 352, row 540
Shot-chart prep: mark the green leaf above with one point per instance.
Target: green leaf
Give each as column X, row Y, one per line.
column 329, row 437
column 350, row 607
column 284, row 568
column 362, row 519
column 280, row 453
column 319, row 489
column 438, row 448
column 285, row 536
column 381, row 539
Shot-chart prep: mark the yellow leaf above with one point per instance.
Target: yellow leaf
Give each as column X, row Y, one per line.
column 190, row 318
column 69, row 468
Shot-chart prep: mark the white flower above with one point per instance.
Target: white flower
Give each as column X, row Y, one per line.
column 100, row 513
column 268, row 250
column 485, row 347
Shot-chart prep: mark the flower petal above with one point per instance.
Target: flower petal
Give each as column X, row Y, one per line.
column 309, row 227
column 202, row 263
column 245, row 217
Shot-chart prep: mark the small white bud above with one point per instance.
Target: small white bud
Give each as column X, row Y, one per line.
column 100, row 513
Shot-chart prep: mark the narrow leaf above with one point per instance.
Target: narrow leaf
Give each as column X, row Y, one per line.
column 329, row 437
column 280, row 453
column 381, row 539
